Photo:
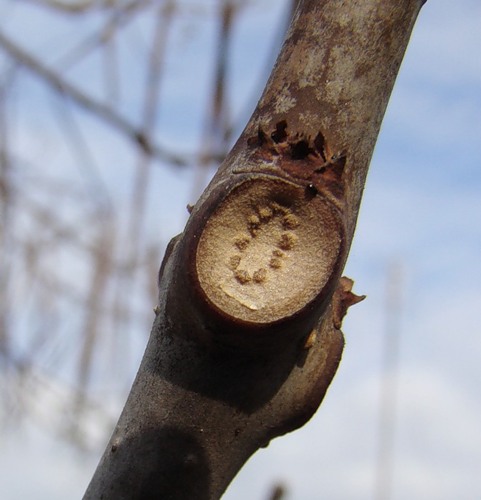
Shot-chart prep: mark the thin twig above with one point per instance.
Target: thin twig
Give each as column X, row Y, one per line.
column 217, row 129
column 79, row 7
column 102, row 111
column 117, row 19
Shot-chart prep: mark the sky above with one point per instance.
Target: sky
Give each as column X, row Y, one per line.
column 421, row 219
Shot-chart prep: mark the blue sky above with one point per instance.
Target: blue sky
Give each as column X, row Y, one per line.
column 421, row 210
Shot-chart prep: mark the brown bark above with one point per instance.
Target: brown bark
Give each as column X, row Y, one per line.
column 247, row 332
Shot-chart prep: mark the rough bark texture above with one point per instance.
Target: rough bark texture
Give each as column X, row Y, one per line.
column 247, row 332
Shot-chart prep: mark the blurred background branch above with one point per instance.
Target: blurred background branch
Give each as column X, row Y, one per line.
column 83, row 148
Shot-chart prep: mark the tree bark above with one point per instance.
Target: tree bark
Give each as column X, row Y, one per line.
column 247, row 335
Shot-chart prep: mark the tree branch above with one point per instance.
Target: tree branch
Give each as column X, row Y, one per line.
column 247, row 335
column 97, row 108
column 79, row 7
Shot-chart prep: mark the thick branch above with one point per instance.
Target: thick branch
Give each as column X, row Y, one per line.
column 247, row 334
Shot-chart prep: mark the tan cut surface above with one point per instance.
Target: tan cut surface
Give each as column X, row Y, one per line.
column 267, row 251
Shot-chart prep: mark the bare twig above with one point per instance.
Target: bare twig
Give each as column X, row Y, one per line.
column 134, row 234
column 388, row 397
column 217, row 128
column 6, row 199
column 78, row 7
column 118, row 18
column 102, row 262
column 99, row 109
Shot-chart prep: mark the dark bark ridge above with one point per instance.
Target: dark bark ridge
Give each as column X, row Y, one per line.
column 247, row 334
